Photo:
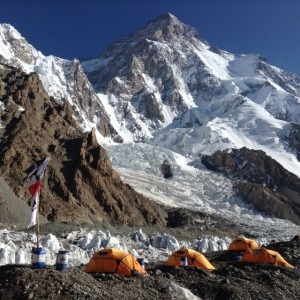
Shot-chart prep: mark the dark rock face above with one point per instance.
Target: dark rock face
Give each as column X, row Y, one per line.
column 293, row 139
column 79, row 184
column 166, row 169
column 260, row 180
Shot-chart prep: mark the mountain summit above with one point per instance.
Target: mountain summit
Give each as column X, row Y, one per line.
column 166, row 76
column 143, row 76
column 167, row 27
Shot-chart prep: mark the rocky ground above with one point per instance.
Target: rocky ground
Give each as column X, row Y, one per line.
column 230, row 280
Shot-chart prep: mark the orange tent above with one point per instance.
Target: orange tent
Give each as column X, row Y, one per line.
column 263, row 255
column 243, row 244
column 193, row 257
column 112, row 260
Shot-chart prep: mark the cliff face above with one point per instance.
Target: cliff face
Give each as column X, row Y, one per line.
column 260, row 180
column 79, row 184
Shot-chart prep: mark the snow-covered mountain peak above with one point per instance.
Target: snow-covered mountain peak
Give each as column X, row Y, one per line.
column 152, row 73
column 165, row 72
column 167, row 27
column 62, row 79
column 16, row 51
column 8, row 31
column 165, row 77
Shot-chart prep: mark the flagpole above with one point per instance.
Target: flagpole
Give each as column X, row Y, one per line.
column 38, row 223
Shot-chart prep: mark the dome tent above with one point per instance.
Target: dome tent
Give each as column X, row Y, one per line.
column 263, row 255
column 112, row 260
column 194, row 258
column 243, row 244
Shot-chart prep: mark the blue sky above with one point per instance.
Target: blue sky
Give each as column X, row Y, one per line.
column 82, row 29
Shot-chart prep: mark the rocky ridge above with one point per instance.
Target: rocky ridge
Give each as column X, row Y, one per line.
column 80, row 184
column 260, row 180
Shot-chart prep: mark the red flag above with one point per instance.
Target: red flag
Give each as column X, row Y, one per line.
column 35, row 187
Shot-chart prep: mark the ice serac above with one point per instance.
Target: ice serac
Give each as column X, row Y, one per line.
column 64, row 80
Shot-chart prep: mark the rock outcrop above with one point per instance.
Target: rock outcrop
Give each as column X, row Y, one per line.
column 260, row 180
column 293, row 138
column 79, row 184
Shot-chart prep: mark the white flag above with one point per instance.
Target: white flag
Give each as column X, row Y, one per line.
column 34, row 208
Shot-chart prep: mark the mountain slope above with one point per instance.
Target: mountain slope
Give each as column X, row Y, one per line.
column 164, row 85
column 165, row 74
column 80, row 184
column 64, row 80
